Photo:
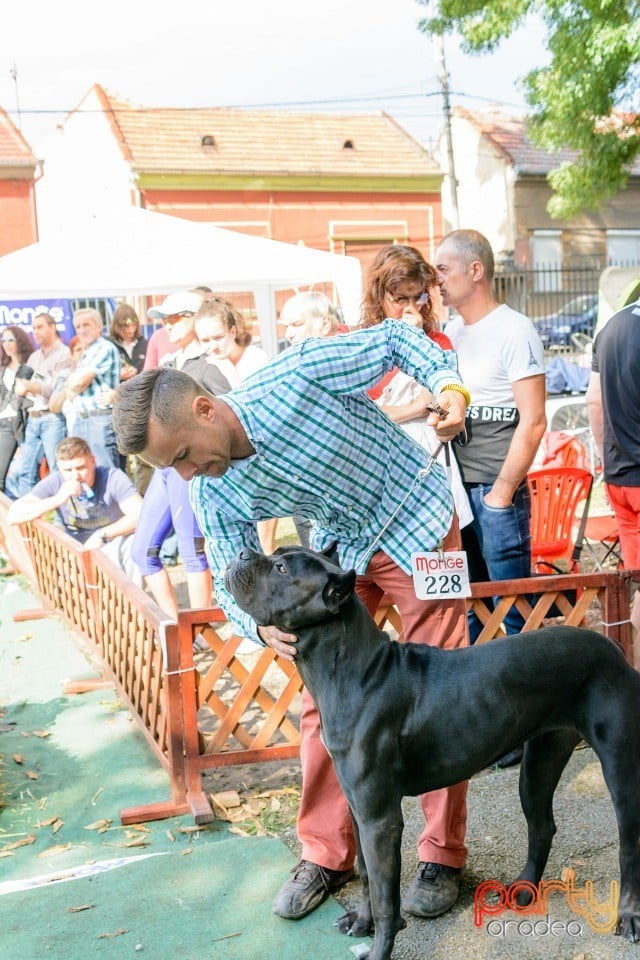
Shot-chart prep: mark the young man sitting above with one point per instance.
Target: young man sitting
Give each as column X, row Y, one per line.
column 97, row 506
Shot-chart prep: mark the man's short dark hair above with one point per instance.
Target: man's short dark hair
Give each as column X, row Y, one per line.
column 161, row 394
column 71, row 447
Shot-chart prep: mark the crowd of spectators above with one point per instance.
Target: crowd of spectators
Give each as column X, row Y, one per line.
column 348, row 432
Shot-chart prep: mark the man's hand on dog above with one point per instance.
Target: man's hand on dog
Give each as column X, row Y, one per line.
column 279, row 641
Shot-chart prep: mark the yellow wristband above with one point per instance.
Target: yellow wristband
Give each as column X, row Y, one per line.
column 460, row 389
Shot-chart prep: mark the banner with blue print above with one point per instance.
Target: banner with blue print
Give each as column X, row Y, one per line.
column 20, row 313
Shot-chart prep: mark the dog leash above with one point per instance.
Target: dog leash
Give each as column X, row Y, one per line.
column 418, row 479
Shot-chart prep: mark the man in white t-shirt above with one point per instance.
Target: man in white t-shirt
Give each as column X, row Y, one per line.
column 501, row 361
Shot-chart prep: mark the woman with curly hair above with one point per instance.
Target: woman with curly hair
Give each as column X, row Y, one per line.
column 16, row 347
column 401, row 286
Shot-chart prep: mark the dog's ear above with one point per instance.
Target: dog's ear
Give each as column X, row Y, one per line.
column 338, row 590
column 331, row 553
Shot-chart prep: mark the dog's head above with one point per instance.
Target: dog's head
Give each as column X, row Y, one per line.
column 292, row 588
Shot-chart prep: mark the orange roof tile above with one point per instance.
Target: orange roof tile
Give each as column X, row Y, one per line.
column 509, row 134
column 14, row 149
column 171, row 140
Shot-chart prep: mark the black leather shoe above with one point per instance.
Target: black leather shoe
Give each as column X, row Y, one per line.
column 434, row 890
column 510, row 759
column 308, row 886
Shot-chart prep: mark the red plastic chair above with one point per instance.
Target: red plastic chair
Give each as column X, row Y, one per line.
column 602, row 531
column 558, row 497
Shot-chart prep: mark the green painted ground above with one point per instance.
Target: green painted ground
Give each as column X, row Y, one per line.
column 74, row 883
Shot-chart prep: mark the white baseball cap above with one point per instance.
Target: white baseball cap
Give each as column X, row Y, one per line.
column 181, row 302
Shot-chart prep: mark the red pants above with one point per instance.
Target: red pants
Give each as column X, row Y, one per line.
column 324, row 822
column 626, row 506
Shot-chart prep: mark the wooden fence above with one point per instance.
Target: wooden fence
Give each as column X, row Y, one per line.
column 231, row 705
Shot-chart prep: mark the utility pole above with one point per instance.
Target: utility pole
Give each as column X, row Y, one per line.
column 438, row 47
column 14, row 77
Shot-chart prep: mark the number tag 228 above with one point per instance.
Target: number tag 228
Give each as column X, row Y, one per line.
column 441, row 575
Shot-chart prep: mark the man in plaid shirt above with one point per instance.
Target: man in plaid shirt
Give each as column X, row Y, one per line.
column 93, row 382
column 301, row 436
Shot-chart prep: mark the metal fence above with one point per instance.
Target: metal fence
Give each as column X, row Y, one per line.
column 561, row 300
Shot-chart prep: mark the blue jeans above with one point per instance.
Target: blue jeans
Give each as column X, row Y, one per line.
column 42, row 436
column 97, row 430
column 498, row 545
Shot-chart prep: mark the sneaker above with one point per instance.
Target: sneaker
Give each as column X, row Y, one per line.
column 434, row 890
column 308, row 886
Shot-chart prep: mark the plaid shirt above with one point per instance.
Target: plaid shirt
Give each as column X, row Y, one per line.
column 103, row 357
column 325, row 451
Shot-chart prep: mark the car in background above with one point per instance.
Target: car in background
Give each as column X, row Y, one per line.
column 577, row 316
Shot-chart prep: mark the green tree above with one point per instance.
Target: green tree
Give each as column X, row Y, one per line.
column 586, row 99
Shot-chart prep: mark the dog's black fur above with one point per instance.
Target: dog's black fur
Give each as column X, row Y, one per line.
column 403, row 719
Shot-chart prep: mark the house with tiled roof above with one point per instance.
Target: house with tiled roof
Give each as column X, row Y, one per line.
column 503, row 191
column 18, row 171
column 343, row 183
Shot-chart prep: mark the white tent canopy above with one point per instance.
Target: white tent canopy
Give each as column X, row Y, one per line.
column 138, row 253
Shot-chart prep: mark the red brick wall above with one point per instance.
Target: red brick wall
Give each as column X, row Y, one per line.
column 347, row 223
column 17, row 215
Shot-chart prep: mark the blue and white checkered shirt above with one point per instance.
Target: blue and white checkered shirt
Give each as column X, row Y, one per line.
column 103, row 357
column 325, row 451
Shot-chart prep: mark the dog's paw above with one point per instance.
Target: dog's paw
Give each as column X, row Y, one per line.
column 629, row 928
column 353, row 924
column 526, row 892
column 360, row 951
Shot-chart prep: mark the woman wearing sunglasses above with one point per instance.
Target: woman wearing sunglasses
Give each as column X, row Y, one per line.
column 15, row 348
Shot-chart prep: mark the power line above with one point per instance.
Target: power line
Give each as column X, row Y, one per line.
column 57, row 111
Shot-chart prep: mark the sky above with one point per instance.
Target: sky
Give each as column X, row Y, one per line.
column 348, row 56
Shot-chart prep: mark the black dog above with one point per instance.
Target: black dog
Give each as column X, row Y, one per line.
column 403, row 719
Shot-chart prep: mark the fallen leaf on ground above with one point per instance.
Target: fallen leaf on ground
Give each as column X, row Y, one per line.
column 171, row 836
column 48, row 822
column 138, row 842
column 116, row 933
column 56, row 826
column 239, row 831
column 141, row 827
column 18, row 757
column 85, row 906
column 32, row 775
column 100, row 825
column 253, row 809
column 42, row 733
column 187, row 851
column 6, row 853
column 25, row 842
column 54, row 851
column 227, row 798
column 188, row 829
column 292, row 791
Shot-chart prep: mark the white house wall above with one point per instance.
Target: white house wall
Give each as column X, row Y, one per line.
column 485, row 187
column 84, row 172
